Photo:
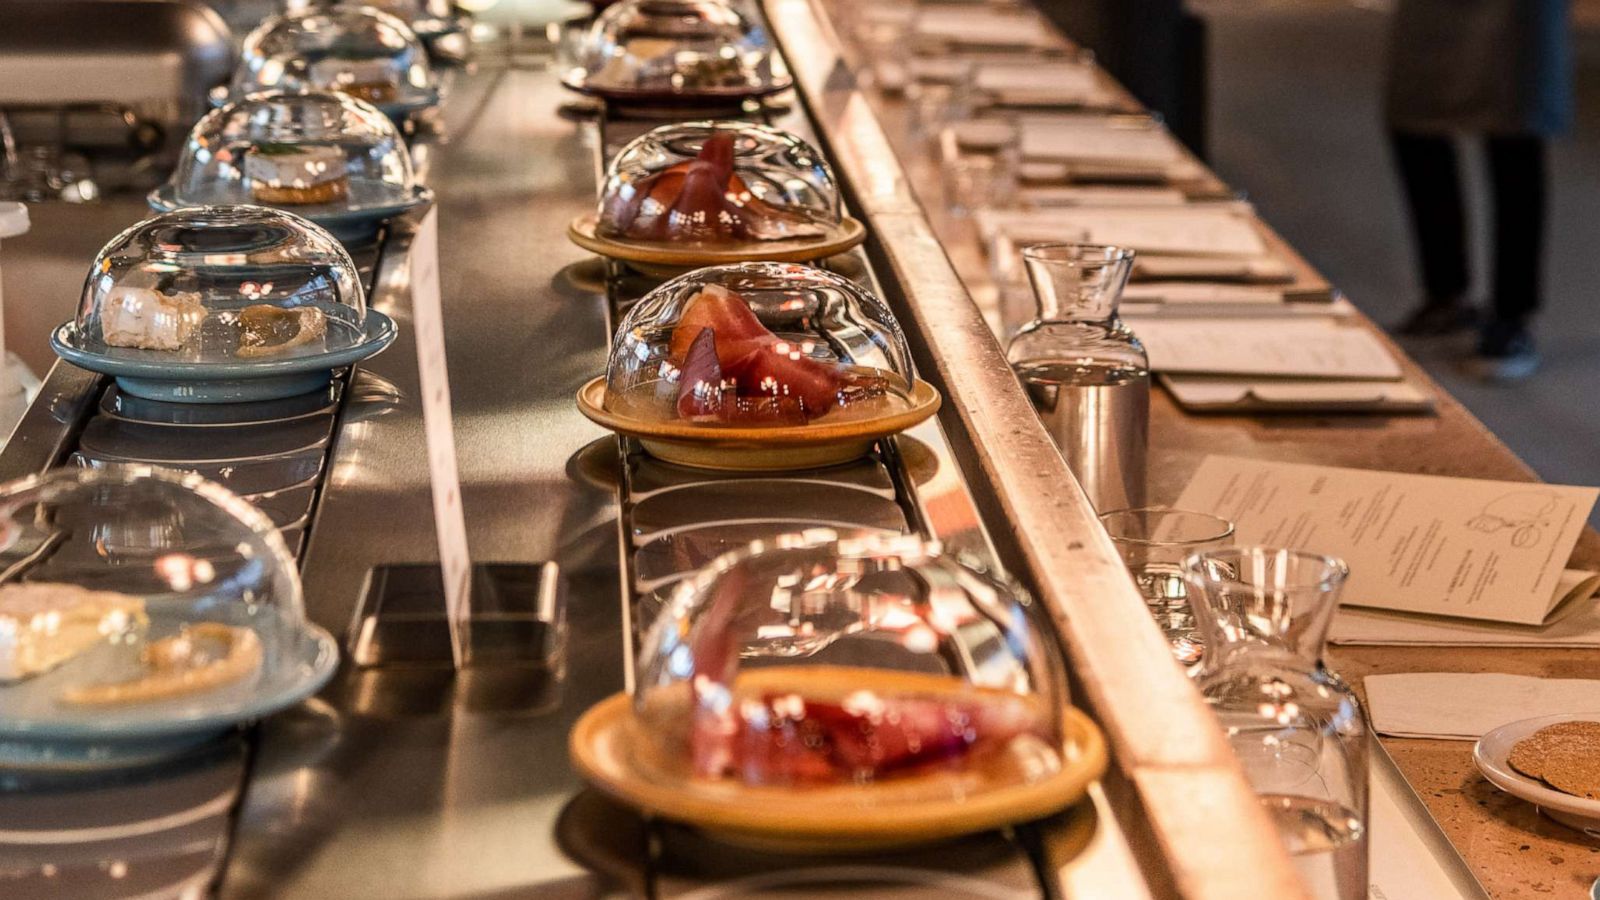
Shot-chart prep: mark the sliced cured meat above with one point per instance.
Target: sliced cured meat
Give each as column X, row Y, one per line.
column 786, row 738
column 701, row 200
column 760, row 377
column 722, row 311
column 700, row 386
column 779, row 369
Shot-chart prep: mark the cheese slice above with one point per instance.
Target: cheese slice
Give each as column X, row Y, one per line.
column 44, row 624
column 149, row 320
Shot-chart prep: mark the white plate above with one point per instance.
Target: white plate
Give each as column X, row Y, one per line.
column 1493, row 749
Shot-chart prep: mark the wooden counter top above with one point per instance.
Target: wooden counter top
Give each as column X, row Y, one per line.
column 1514, row 851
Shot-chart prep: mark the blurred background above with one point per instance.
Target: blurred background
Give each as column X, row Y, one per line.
column 1296, row 121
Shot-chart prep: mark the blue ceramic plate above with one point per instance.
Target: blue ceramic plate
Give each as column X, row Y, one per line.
column 36, row 731
column 346, row 221
column 147, row 374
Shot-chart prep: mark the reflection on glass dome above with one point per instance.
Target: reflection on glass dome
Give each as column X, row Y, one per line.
column 360, row 51
column 874, row 660
column 661, row 49
column 422, row 16
column 134, row 588
column 758, row 344
column 718, row 182
column 316, row 152
column 221, row 283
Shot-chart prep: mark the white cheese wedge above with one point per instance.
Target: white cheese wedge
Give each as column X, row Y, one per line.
column 44, row 624
column 149, row 320
column 336, row 71
column 299, row 167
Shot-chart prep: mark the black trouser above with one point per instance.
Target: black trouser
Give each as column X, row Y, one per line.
column 1432, row 178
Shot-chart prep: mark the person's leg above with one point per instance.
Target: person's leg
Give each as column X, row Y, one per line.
column 1517, row 176
column 1431, row 176
column 1506, row 350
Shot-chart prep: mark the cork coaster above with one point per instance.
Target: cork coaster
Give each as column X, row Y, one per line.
column 1565, row 756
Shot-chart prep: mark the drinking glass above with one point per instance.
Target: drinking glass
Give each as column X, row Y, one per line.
column 974, row 181
column 1153, row 542
column 1298, row 731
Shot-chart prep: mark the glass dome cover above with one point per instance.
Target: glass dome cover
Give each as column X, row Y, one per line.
column 758, row 344
column 360, row 51
column 709, row 182
column 425, row 17
column 141, row 601
column 817, row 661
column 666, row 50
column 220, row 284
column 316, row 153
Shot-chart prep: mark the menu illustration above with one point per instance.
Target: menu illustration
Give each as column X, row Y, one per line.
column 1474, row 549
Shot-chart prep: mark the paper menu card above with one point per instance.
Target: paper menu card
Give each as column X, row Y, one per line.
column 1574, row 623
column 1275, row 346
column 1221, row 230
column 1083, row 138
column 1036, row 83
column 1461, row 547
column 981, row 26
column 1203, row 393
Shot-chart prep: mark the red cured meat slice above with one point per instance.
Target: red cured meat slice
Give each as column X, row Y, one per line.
column 700, row 200
column 796, row 740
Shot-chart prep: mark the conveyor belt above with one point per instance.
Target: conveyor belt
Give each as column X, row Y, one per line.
column 273, row 453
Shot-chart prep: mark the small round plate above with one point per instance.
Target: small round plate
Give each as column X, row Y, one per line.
column 303, row 659
column 344, row 221
column 146, row 374
column 745, row 449
column 820, row 820
column 1493, row 750
column 671, row 258
column 575, row 81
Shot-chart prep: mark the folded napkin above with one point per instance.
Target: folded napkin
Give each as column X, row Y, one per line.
column 1456, row 706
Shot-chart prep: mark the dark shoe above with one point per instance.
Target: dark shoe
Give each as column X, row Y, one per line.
column 1436, row 319
column 1506, row 352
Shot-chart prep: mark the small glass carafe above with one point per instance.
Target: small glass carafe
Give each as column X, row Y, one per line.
column 1298, row 730
column 1085, row 372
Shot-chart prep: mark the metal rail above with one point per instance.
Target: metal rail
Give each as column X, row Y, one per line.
column 1183, row 784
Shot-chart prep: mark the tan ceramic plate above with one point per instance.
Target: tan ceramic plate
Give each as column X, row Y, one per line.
column 608, row 752
column 660, row 258
column 757, row 449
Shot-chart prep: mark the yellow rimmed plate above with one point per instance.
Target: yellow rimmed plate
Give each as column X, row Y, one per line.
column 662, row 258
column 754, row 449
column 605, row 746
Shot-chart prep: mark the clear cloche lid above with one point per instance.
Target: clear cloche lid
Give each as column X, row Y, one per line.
column 137, row 599
column 756, row 344
column 220, row 284
column 363, row 52
column 423, row 16
column 318, row 152
column 666, row 49
column 815, row 660
column 708, row 182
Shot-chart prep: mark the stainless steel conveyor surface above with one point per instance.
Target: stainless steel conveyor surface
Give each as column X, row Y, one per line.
column 404, row 779
column 408, row 780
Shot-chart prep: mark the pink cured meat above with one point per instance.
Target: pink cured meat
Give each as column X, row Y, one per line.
column 808, row 741
column 702, row 200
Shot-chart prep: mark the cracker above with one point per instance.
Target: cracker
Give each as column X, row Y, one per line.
column 1565, row 756
column 1575, row 774
column 1527, row 756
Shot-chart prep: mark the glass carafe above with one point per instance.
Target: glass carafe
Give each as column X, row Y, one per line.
column 1298, row 731
column 1085, row 372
